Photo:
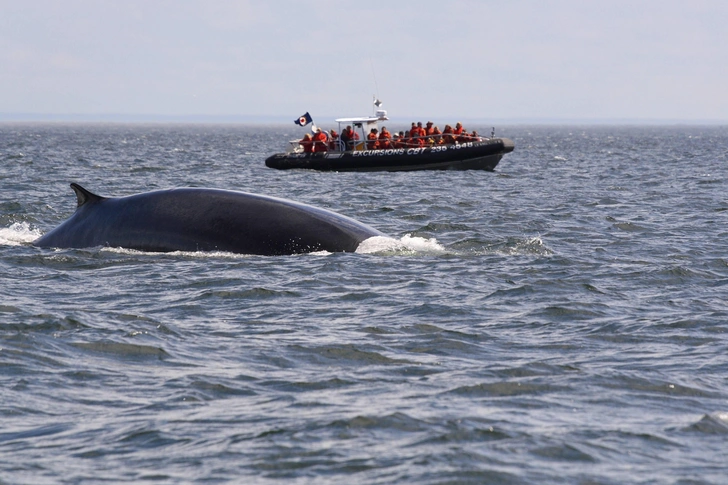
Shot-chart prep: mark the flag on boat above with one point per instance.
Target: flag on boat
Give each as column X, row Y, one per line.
column 304, row 120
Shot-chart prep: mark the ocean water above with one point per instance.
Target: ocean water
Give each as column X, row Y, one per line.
column 563, row 319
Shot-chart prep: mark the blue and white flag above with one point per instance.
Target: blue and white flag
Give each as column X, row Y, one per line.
column 304, row 120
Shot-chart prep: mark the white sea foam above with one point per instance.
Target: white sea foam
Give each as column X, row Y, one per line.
column 184, row 254
column 407, row 244
column 18, row 234
column 532, row 245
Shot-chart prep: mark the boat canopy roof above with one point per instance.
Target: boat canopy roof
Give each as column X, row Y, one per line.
column 357, row 120
column 381, row 115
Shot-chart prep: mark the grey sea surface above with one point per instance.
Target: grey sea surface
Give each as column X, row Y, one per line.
column 563, row 319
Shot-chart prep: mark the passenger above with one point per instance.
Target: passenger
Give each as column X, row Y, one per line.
column 400, row 141
column 407, row 139
column 414, row 140
column 385, row 139
column 429, row 129
column 416, row 131
column 460, row 134
column 423, row 134
column 349, row 137
column 373, row 140
column 334, row 141
column 320, row 141
column 447, row 135
column 437, row 136
column 475, row 137
column 306, row 143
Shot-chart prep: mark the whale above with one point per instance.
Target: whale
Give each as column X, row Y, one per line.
column 204, row 219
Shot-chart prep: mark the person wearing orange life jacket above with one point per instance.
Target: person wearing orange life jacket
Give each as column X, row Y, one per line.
column 306, row 143
column 447, row 135
column 459, row 132
column 427, row 133
column 416, row 131
column 385, row 139
column 437, row 136
column 320, row 141
column 349, row 138
column 373, row 140
column 429, row 129
column 333, row 140
column 415, row 141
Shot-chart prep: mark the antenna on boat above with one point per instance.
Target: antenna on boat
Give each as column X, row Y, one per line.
column 377, row 102
column 381, row 114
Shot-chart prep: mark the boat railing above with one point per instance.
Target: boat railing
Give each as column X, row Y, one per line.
column 338, row 146
column 294, row 146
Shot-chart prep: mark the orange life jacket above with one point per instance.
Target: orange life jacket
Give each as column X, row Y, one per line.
column 447, row 135
column 307, row 144
column 372, row 141
column 385, row 140
column 319, row 142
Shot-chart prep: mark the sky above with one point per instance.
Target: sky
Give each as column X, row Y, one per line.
column 507, row 60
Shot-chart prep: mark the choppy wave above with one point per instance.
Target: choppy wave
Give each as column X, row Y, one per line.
column 561, row 320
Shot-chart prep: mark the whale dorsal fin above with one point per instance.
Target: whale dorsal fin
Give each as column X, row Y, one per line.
column 83, row 196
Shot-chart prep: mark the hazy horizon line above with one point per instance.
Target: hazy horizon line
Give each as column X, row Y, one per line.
column 267, row 119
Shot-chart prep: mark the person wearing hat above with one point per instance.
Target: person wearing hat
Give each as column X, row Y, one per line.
column 320, row 141
column 459, row 131
column 306, row 143
column 333, row 140
column 437, row 136
column 429, row 129
column 447, row 135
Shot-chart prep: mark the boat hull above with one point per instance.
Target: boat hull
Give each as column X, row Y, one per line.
column 482, row 155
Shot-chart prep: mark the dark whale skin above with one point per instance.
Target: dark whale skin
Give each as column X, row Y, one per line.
column 201, row 219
